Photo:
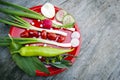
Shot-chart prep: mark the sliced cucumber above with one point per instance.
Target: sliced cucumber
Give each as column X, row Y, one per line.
column 48, row 10
column 60, row 14
column 68, row 21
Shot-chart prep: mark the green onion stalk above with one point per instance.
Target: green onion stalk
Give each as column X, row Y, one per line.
column 21, row 23
column 20, row 11
column 6, row 41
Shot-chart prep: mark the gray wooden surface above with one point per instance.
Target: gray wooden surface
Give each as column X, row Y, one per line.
column 99, row 58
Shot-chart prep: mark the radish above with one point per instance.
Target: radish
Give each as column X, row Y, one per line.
column 75, row 35
column 48, row 10
column 47, row 23
column 57, row 23
column 74, row 42
column 71, row 29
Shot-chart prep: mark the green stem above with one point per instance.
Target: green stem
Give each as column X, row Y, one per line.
column 20, row 13
column 14, row 24
column 21, row 19
column 14, row 18
column 4, row 44
column 14, row 52
column 15, row 6
column 19, row 7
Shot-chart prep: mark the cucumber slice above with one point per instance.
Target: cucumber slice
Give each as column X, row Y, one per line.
column 68, row 21
column 60, row 14
column 48, row 10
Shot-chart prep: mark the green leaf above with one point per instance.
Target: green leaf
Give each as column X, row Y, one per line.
column 4, row 44
column 20, row 8
column 24, row 63
column 59, row 65
column 68, row 25
column 62, row 64
column 40, row 66
column 29, row 64
column 66, row 62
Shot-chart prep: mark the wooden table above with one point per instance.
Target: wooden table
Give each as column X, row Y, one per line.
column 99, row 58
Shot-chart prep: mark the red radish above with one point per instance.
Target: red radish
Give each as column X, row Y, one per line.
column 44, row 34
column 24, row 34
column 33, row 33
column 61, row 39
column 47, row 23
column 52, row 36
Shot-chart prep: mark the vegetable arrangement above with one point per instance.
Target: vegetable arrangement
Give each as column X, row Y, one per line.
column 40, row 46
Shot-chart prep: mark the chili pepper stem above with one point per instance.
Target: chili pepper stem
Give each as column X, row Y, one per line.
column 14, row 52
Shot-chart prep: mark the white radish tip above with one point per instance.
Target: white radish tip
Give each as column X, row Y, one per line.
column 38, row 20
column 74, row 42
column 57, row 23
column 41, row 25
column 40, row 57
column 45, row 45
column 71, row 29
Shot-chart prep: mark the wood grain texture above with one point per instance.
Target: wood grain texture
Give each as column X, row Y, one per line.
column 99, row 58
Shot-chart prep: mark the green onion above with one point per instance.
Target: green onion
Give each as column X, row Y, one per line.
column 20, row 13
column 19, row 7
column 21, row 23
column 36, row 40
column 24, row 11
column 13, row 23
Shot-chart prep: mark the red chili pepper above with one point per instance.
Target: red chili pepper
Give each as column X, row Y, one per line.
column 24, row 34
column 51, row 36
column 33, row 33
column 44, row 34
column 61, row 39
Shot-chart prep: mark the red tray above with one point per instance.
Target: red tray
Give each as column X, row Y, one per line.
column 15, row 32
